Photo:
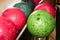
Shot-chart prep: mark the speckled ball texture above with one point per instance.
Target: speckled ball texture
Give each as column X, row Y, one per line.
column 40, row 23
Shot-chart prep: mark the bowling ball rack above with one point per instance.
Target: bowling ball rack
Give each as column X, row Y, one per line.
column 24, row 28
column 18, row 37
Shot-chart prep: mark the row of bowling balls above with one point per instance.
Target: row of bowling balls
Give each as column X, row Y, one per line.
column 40, row 20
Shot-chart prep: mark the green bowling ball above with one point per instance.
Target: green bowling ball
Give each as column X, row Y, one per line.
column 40, row 23
column 24, row 7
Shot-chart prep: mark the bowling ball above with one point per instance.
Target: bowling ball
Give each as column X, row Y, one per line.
column 7, row 29
column 51, row 2
column 24, row 7
column 47, row 7
column 36, row 2
column 17, row 16
column 31, row 3
column 40, row 23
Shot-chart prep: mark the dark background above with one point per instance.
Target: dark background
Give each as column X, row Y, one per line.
column 58, row 23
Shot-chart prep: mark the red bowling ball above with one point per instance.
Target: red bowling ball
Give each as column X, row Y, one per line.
column 50, row 2
column 47, row 7
column 36, row 2
column 17, row 16
column 7, row 29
